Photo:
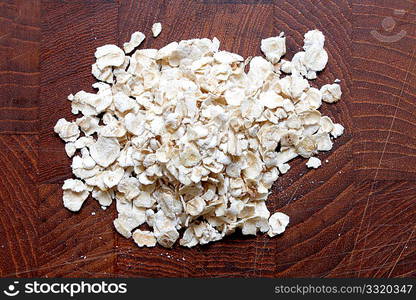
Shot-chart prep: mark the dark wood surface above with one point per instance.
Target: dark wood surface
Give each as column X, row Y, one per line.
column 355, row 216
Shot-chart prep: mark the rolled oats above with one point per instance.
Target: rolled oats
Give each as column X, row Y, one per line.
column 183, row 138
column 156, row 29
column 277, row 222
column 135, row 40
column 313, row 162
column 274, row 48
column 331, row 92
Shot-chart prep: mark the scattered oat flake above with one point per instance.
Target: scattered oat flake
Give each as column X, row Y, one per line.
column 156, row 29
column 313, row 162
column 278, row 222
column 135, row 40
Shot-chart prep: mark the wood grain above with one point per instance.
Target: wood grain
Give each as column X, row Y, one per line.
column 18, row 205
column 384, row 90
column 73, row 245
column 19, row 72
column 354, row 217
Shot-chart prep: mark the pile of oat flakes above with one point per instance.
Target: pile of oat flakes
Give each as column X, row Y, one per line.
column 183, row 139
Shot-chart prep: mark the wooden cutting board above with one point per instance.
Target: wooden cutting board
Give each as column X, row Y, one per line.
column 355, row 216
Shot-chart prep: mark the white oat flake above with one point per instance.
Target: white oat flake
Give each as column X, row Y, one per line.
column 156, row 29
column 314, row 162
column 135, row 40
